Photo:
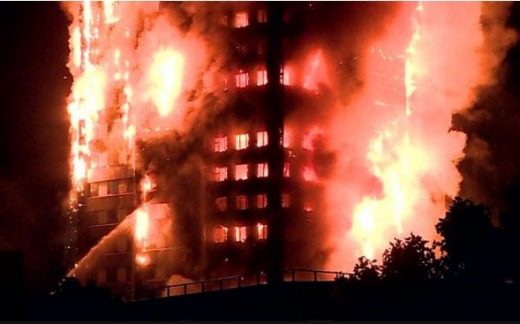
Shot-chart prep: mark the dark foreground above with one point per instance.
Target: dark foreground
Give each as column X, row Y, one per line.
column 300, row 301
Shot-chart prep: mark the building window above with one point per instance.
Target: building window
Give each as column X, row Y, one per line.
column 122, row 186
column 261, row 201
column 220, row 174
column 286, row 139
column 103, row 188
column 241, row 171
column 121, row 274
column 221, row 203
column 261, row 139
column 113, row 187
column 261, row 231
column 241, row 19
column 286, row 169
column 241, row 79
column 94, row 189
column 103, row 159
column 221, row 144
column 286, row 200
column 261, row 15
column 101, row 276
column 261, row 77
column 262, row 170
column 102, row 217
column 240, row 234
column 220, row 234
column 309, row 174
column 241, row 202
column 241, row 141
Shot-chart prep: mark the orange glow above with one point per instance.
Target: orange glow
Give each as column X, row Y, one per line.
column 241, row 141
column 261, row 231
column 241, row 19
column 310, row 137
column 262, row 170
column 314, row 71
column 240, row 234
column 220, row 234
column 142, row 259
column 142, row 222
column 241, row 171
column 166, row 74
column 394, row 173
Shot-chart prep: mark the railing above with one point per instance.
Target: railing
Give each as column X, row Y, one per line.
column 232, row 282
column 316, row 275
column 194, row 287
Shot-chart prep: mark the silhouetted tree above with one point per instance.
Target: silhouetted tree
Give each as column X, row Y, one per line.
column 510, row 233
column 470, row 243
column 409, row 260
column 366, row 271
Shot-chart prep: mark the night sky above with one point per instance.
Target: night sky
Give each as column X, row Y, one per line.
column 35, row 83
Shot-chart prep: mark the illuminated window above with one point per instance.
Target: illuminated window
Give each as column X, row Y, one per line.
column 121, row 274
column 286, row 200
column 221, row 203
column 220, row 174
column 241, row 79
column 241, row 202
column 241, row 19
column 285, row 76
column 261, row 139
column 221, row 144
column 240, row 234
column 241, row 141
column 262, row 170
column 287, row 169
column 309, row 174
column 101, row 276
column 241, row 171
column 286, row 139
column 261, row 201
column 94, row 189
column 261, row 15
column 261, row 77
column 220, row 234
column 261, row 231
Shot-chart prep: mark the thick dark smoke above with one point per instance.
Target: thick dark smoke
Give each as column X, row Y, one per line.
column 490, row 168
